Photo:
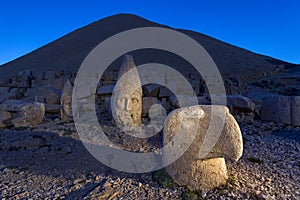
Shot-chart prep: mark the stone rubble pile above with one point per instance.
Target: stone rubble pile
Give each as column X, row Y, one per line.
column 47, row 88
column 30, row 88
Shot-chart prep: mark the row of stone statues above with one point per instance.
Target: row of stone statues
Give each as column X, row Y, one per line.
column 191, row 170
column 202, row 165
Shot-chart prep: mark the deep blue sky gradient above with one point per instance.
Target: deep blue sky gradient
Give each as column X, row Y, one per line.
column 267, row 27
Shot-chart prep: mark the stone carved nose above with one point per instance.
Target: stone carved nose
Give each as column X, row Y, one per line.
column 127, row 105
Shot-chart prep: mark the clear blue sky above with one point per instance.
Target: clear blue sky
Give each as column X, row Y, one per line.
column 267, row 27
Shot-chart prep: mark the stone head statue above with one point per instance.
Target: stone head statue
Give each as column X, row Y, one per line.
column 66, row 102
column 127, row 97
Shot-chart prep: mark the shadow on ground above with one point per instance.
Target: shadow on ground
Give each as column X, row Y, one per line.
column 46, row 153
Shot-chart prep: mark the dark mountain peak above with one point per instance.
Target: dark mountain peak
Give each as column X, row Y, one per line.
column 69, row 51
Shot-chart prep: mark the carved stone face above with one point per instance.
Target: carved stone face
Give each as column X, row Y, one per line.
column 66, row 101
column 127, row 95
column 131, row 107
column 67, row 106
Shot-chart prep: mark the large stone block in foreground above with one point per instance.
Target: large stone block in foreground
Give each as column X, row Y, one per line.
column 208, row 172
column 21, row 114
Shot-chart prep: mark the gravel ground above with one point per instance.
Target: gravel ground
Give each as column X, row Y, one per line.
column 50, row 162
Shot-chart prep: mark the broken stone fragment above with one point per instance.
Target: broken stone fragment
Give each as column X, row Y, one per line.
column 107, row 107
column 22, row 114
column 240, row 103
column 24, row 79
column 201, row 175
column 52, row 108
column 191, row 170
column 4, row 116
column 281, row 109
column 49, row 94
column 151, row 90
column 295, row 110
column 105, row 91
column 147, row 103
column 164, row 92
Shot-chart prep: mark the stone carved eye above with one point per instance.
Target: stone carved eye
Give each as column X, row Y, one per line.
column 134, row 100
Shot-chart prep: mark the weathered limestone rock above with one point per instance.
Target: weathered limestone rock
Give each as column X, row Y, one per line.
column 165, row 92
column 38, row 79
column 241, row 107
column 157, row 115
column 107, row 76
column 4, row 116
column 52, row 108
column 295, row 110
column 208, row 172
column 276, row 109
column 104, row 83
column 107, row 102
column 24, row 79
column 281, row 109
column 147, row 103
column 107, row 107
column 202, row 175
column 166, row 104
column 8, row 94
column 51, row 79
column 66, row 102
column 240, row 103
column 151, row 90
column 22, row 113
column 105, row 91
column 127, row 97
column 174, row 101
column 50, row 95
